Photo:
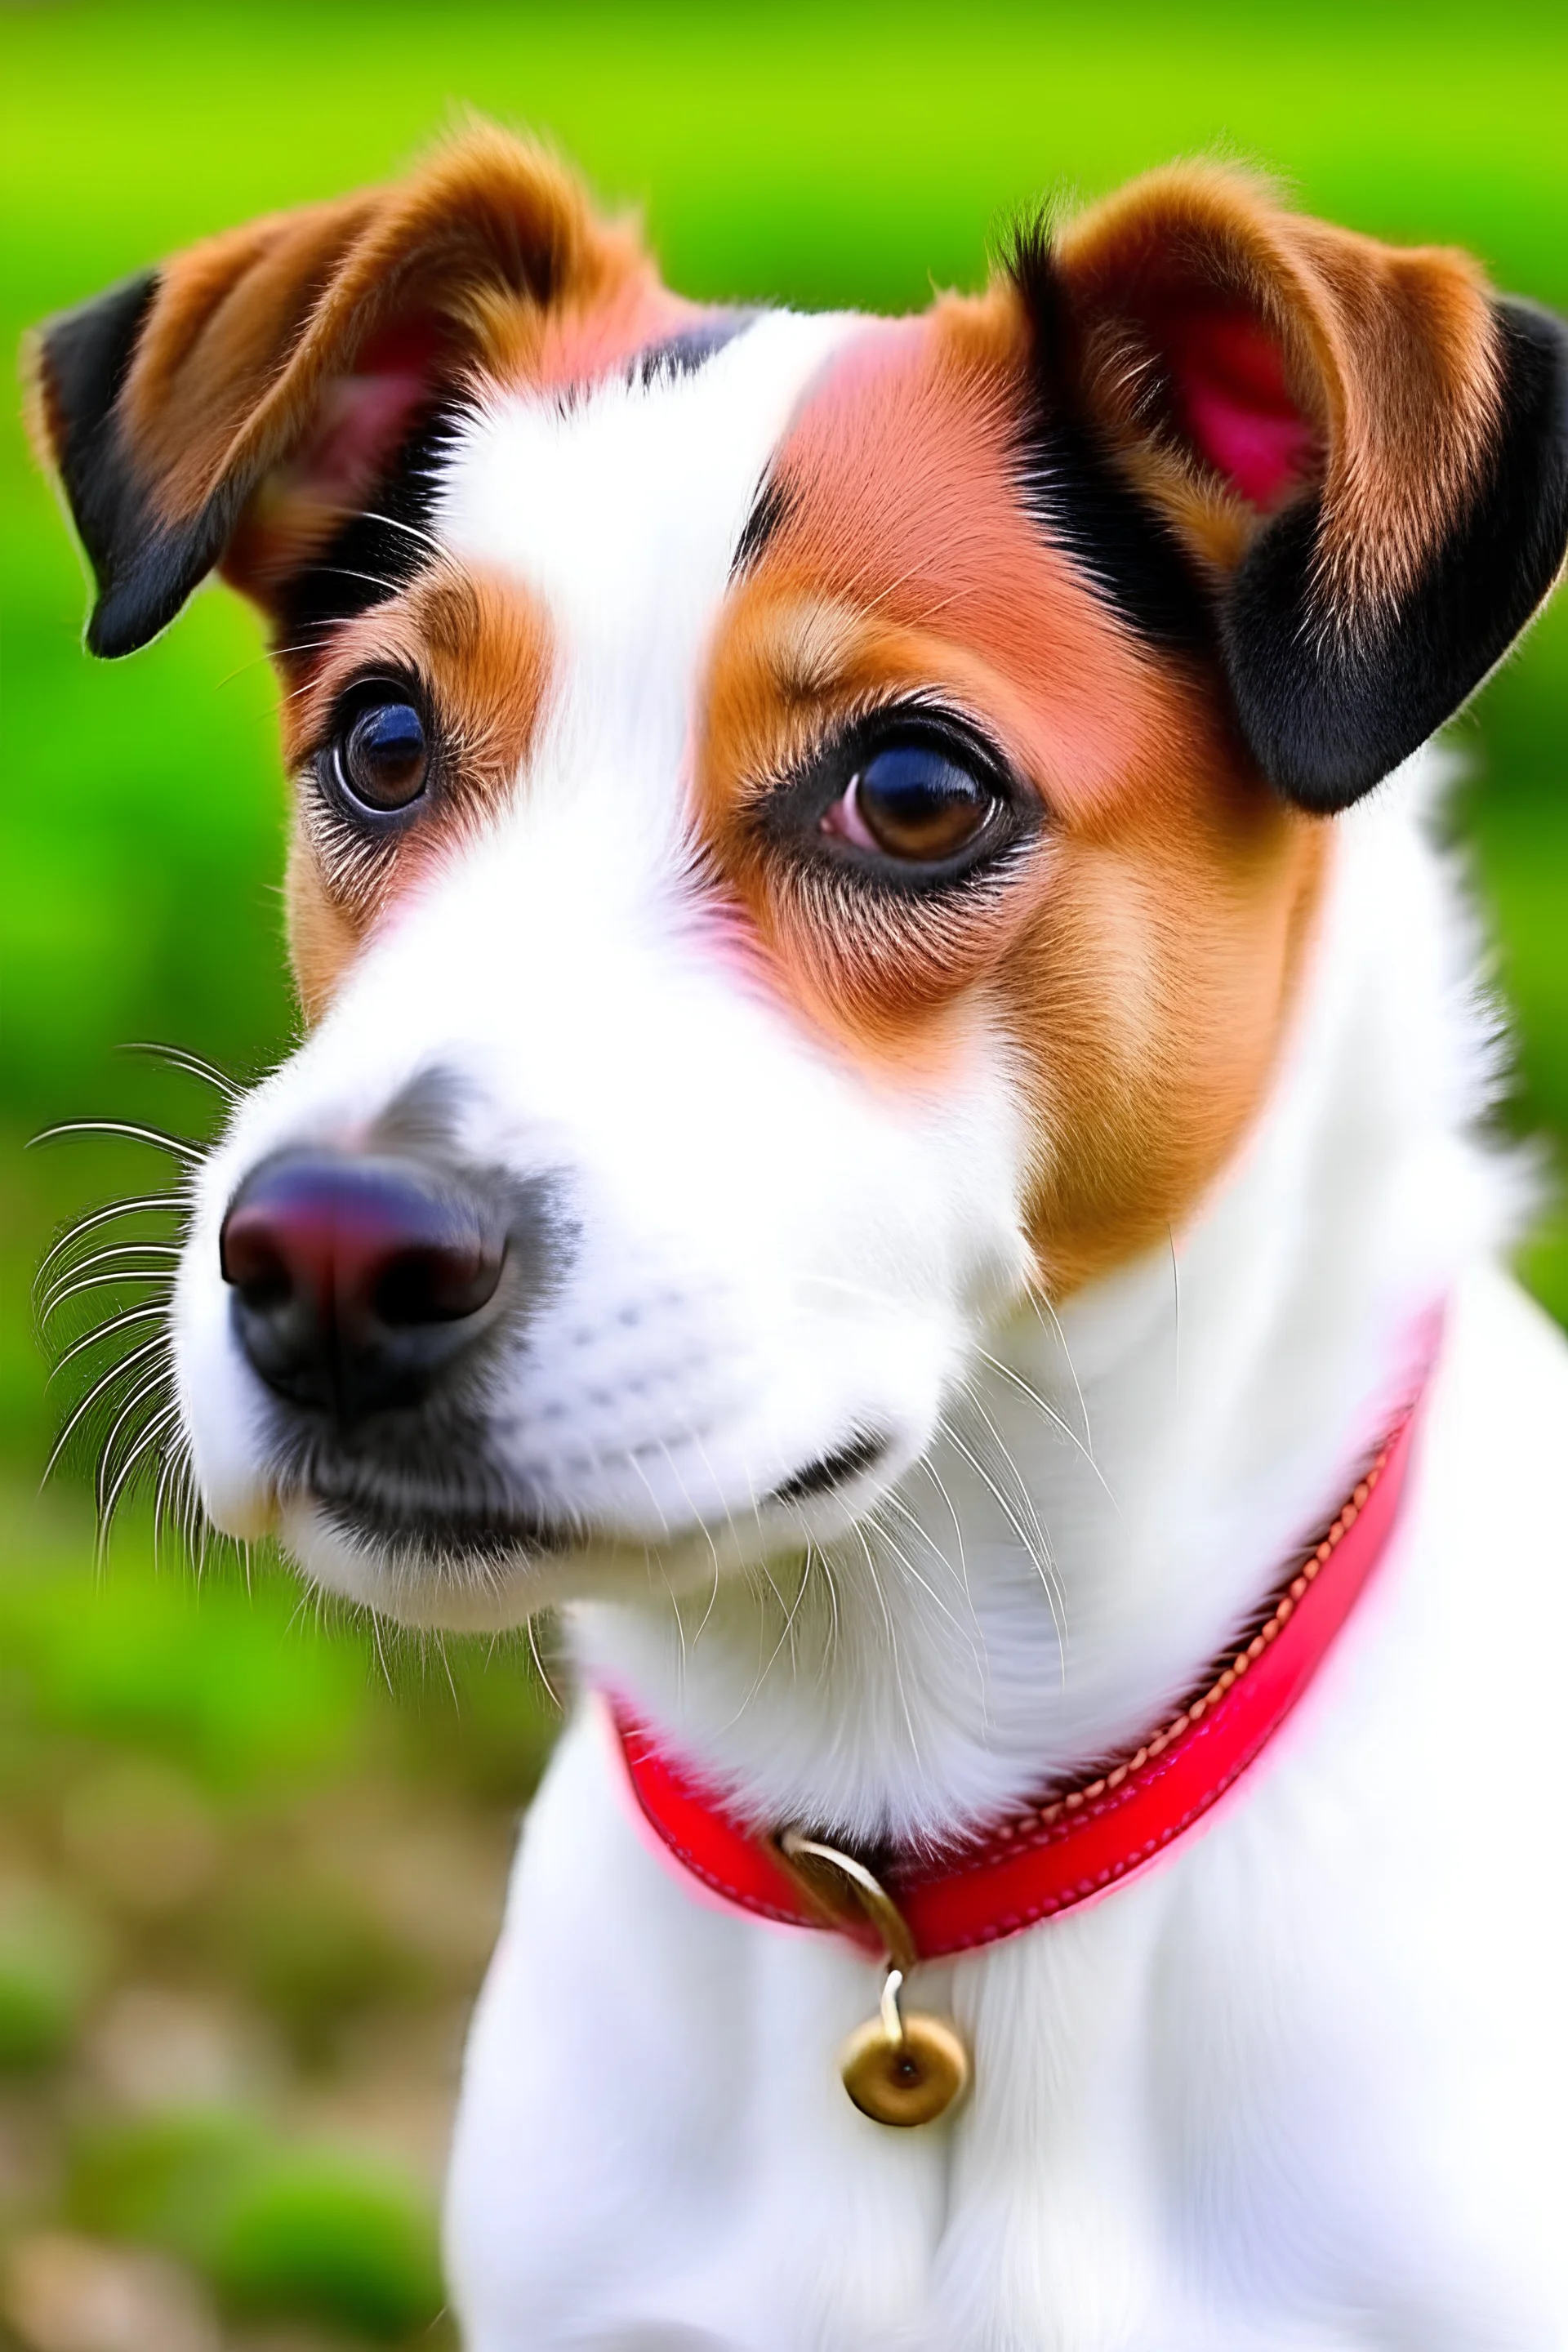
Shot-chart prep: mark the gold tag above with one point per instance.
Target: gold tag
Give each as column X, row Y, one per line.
column 904, row 2071
column 900, row 2071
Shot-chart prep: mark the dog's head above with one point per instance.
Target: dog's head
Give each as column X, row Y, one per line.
column 807, row 827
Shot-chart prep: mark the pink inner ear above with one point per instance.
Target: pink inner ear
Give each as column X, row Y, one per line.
column 358, row 422
column 1230, row 379
column 364, row 416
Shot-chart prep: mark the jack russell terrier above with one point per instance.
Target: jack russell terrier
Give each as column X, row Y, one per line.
column 889, row 1124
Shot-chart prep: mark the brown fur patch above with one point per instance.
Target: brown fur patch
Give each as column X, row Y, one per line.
column 1141, row 959
column 297, row 347
column 480, row 650
column 588, row 333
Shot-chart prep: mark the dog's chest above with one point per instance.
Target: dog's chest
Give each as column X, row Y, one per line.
column 655, row 2134
column 1259, row 2102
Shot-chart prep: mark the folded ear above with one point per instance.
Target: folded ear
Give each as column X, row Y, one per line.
column 1364, row 449
column 237, row 405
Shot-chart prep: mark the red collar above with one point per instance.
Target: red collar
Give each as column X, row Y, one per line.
column 1077, row 1844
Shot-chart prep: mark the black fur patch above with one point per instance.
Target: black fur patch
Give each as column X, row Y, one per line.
column 769, row 509
column 686, row 353
column 143, row 572
column 1328, row 705
column 1328, row 711
column 87, row 357
column 375, row 554
column 1070, row 484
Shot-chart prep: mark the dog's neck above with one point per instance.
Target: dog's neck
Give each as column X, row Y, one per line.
column 1121, row 1480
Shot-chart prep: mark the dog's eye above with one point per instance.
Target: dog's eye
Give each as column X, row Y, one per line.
column 913, row 800
column 382, row 756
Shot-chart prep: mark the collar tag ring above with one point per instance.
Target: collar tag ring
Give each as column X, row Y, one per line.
column 900, row 2070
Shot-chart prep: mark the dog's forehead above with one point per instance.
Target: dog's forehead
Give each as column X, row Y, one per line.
column 620, row 504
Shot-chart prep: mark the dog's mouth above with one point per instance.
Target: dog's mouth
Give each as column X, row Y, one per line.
column 426, row 1498
column 426, row 1514
column 442, row 1532
column 814, row 1480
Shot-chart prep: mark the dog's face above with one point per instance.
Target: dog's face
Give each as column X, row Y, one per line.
column 806, row 828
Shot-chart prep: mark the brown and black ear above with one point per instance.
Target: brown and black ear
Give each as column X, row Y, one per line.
column 236, row 405
column 1360, row 451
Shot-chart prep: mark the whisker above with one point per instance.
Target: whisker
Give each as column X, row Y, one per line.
column 539, row 1663
column 934, row 1474
column 694, row 1439
column 191, row 1153
column 692, row 1512
column 374, row 1616
column 893, row 1500
column 148, row 1438
column 317, row 645
column 630, row 1452
column 859, row 1535
column 445, row 1669
column 145, row 1202
column 1025, row 1499
column 165, row 1503
column 116, row 1371
column 787, row 1629
column 369, row 579
column 1045, row 1572
column 180, row 1057
column 87, row 1274
column 906, row 1564
column 712, row 1604
column 760, row 1571
column 309, row 685
column 392, row 522
column 1042, row 1305
column 192, row 1517
column 674, row 1600
column 163, row 1282
column 146, row 1391
column 1048, row 1412
column 317, row 641
column 116, row 1250
column 835, row 1629
column 267, row 653
column 105, row 1331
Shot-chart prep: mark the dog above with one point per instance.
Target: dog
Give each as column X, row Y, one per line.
column 890, row 1123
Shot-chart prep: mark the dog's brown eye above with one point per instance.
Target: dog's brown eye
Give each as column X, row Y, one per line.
column 382, row 758
column 912, row 800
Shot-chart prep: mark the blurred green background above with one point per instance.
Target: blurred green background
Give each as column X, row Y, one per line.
column 249, row 1861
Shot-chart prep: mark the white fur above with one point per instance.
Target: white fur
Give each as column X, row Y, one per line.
column 1301, row 2090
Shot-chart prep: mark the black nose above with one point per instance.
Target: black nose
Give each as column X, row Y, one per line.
column 358, row 1280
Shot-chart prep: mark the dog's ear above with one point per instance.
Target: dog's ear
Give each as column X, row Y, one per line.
column 235, row 406
column 1364, row 449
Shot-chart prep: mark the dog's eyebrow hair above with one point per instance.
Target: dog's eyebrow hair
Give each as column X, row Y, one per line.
column 770, row 510
column 379, row 552
column 685, row 353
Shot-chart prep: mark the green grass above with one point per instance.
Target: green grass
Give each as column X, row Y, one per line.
column 816, row 155
column 227, row 1827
